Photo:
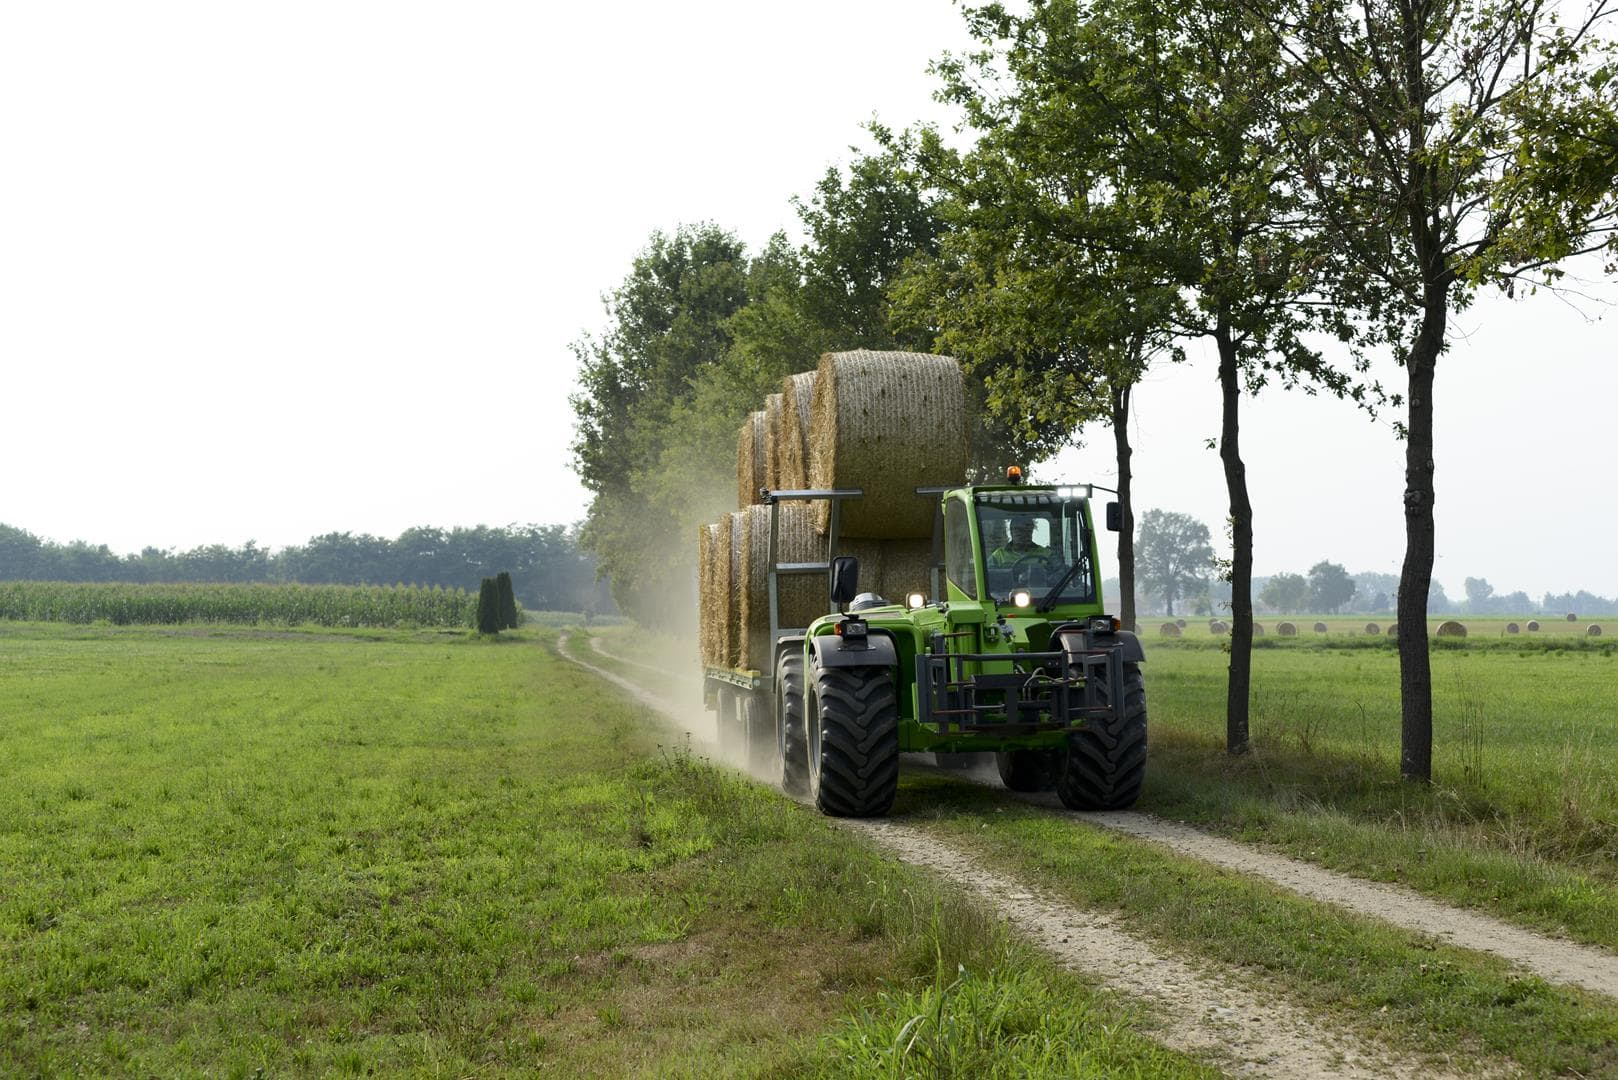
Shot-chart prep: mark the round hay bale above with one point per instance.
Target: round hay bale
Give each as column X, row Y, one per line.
column 1533, row 626
column 803, row 597
column 1217, row 628
column 1169, row 629
column 907, row 567
column 705, row 594
column 1393, row 630
column 1512, row 628
column 1372, row 628
column 1286, row 629
column 1258, row 629
column 750, row 460
column 1320, row 628
column 1572, row 617
column 1180, row 623
column 887, row 423
column 792, row 448
column 1451, row 628
column 1593, row 630
column 773, row 419
column 724, row 553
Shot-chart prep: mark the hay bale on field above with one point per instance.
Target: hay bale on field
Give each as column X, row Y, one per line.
column 1258, row 629
column 1593, row 630
column 1169, row 629
column 1533, row 626
column 792, row 446
column 1217, row 628
column 1372, row 628
column 1393, row 630
column 773, row 419
column 1180, row 623
column 1451, row 628
column 1572, row 617
column 887, row 423
column 802, row 596
column 1320, row 628
column 750, row 460
column 1287, row 629
column 1512, row 628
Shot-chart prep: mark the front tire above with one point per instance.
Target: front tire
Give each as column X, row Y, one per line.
column 1106, row 761
column 791, row 749
column 853, row 728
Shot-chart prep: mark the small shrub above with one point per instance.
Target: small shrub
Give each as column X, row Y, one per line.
column 489, row 607
column 508, row 601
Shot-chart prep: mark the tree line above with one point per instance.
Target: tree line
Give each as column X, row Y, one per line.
column 549, row 569
column 1306, row 184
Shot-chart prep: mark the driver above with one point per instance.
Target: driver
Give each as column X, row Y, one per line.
column 1020, row 546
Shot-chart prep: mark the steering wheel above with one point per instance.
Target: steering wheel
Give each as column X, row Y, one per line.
column 1042, row 558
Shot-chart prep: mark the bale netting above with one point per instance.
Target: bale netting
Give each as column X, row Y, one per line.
column 1169, row 629
column 1512, row 628
column 1372, row 628
column 1287, row 629
column 1533, row 626
column 887, row 423
column 750, row 460
column 773, row 419
column 791, row 450
column 803, row 596
column 1593, row 630
column 1451, row 628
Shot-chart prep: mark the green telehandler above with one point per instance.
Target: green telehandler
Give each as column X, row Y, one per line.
column 1013, row 654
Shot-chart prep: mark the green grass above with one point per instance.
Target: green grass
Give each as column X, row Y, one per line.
column 1522, row 818
column 226, row 851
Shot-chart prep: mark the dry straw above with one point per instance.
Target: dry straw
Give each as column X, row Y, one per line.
column 705, row 595
column 888, row 423
column 792, row 449
column 732, row 582
column 803, row 597
column 750, row 460
column 1451, row 628
column 773, row 420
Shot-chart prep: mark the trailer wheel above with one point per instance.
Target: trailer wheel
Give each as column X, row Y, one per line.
column 758, row 733
column 791, row 751
column 728, row 720
column 853, row 728
column 1106, row 761
column 1029, row 770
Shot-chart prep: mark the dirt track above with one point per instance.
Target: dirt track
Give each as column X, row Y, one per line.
column 1203, row 1010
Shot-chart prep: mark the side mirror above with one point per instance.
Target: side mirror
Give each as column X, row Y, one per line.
column 1115, row 517
column 845, row 580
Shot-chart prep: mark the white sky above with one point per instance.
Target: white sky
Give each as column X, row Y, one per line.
column 273, row 270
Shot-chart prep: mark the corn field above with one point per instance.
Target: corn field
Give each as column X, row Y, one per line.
column 318, row 605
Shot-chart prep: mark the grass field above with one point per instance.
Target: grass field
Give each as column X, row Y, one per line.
column 236, row 852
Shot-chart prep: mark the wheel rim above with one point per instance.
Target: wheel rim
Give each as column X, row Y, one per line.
column 811, row 737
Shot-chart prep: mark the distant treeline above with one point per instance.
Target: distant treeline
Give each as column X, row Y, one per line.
column 548, row 570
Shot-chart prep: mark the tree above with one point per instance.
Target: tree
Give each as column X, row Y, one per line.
column 1146, row 133
column 489, row 607
column 1286, row 592
column 1478, row 592
column 508, row 601
column 1173, row 554
column 1330, row 587
column 1444, row 146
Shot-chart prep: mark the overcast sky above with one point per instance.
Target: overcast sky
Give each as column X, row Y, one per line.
column 273, row 270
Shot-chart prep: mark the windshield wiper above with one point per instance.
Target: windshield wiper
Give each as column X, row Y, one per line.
column 1049, row 600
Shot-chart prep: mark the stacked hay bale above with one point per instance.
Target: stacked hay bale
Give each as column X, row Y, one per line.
column 750, row 460
column 886, row 423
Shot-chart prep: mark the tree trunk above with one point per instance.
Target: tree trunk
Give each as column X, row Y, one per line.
column 1126, row 532
column 1239, row 686
column 1416, row 577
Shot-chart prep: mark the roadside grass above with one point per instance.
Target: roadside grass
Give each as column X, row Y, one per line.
column 1522, row 819
column 1405, row 989
column 232, row 853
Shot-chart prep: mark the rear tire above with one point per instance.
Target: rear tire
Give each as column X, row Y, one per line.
column 853, row 727
column 1029, row 770
column 729, row 723
column 758, row 734
column 1106, row 761
column 791, row 750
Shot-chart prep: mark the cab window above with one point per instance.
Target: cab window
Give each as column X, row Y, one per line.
column 958, row 548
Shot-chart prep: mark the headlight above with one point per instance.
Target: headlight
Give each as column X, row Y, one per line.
column 916, row 600
column 1021, row 598
column 1103, row 624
